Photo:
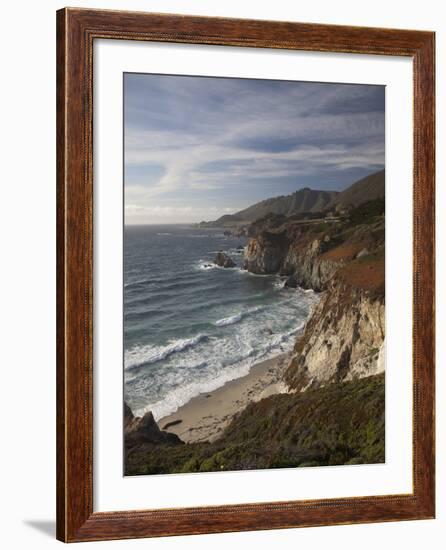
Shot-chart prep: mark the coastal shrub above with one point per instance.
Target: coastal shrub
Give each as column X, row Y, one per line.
column 284, row 431
column 367, row 212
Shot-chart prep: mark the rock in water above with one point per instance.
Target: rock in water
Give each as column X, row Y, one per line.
column 291, row 282
column 223, row 260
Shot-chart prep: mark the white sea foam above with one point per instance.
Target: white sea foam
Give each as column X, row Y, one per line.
column 243, row 271
column 225, row 349
column 142, row 355
column 207, row 265
column 229, row 320
column 279, row 284
column 202, row 265
column 219, row 362
column 232, row 319
column 295, row 330
column 236, row 251
column 183, row 394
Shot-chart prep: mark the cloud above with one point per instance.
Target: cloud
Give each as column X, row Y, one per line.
column 191, row 140
column 156, row 214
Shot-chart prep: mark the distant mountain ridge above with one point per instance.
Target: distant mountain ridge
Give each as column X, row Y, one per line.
column 307, row 200
column 304, row 200
column 370, row 188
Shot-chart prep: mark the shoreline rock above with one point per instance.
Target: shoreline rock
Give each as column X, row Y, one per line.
column 223, row 260
column 145, row 430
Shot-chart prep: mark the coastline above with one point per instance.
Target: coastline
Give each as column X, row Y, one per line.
column 206, row 416
column 323, row 404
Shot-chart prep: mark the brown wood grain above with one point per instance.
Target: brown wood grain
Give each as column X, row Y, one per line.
column 76, row 31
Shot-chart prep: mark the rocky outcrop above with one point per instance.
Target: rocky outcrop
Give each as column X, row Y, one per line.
column 343, row 339
column 306, row 265
column 310, row 254
column 299, row 257
column 265, row 254
column 223, row 260
column 145, row 430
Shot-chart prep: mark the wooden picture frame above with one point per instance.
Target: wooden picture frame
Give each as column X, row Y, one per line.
column 76, row 31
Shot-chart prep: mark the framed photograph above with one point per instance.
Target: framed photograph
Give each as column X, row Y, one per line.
column 245, row 275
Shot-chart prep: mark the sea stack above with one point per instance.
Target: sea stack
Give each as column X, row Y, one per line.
column 223, row 260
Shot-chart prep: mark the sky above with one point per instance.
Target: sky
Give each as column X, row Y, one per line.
column 196, row 148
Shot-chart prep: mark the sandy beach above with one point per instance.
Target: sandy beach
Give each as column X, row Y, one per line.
column 207, row 415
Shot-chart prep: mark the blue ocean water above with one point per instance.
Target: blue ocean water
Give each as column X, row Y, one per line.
column 189, row 326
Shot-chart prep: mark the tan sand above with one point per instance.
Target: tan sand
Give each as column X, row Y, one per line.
column 207, row 415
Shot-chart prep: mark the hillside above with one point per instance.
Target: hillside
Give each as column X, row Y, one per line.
column 304, row 200
column 307, row 202
column 366, row 189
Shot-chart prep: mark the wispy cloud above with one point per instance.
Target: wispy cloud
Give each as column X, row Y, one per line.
column 199, row 147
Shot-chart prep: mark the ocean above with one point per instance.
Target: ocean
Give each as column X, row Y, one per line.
column 190, row 326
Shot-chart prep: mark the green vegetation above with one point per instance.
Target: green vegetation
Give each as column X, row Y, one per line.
column 341, row 423
column 367, row 212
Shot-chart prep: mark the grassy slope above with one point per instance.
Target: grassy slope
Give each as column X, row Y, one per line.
column 338, row 424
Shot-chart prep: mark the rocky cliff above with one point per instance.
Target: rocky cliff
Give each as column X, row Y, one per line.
column 344, row 260
column 144, row 431
column 344, row 337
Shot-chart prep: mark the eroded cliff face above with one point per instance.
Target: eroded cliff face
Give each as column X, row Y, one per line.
column 344, row 337
column 342, row 341
column 265, row 253
column 307, row 265
column 293, row 251
column 311, row 253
